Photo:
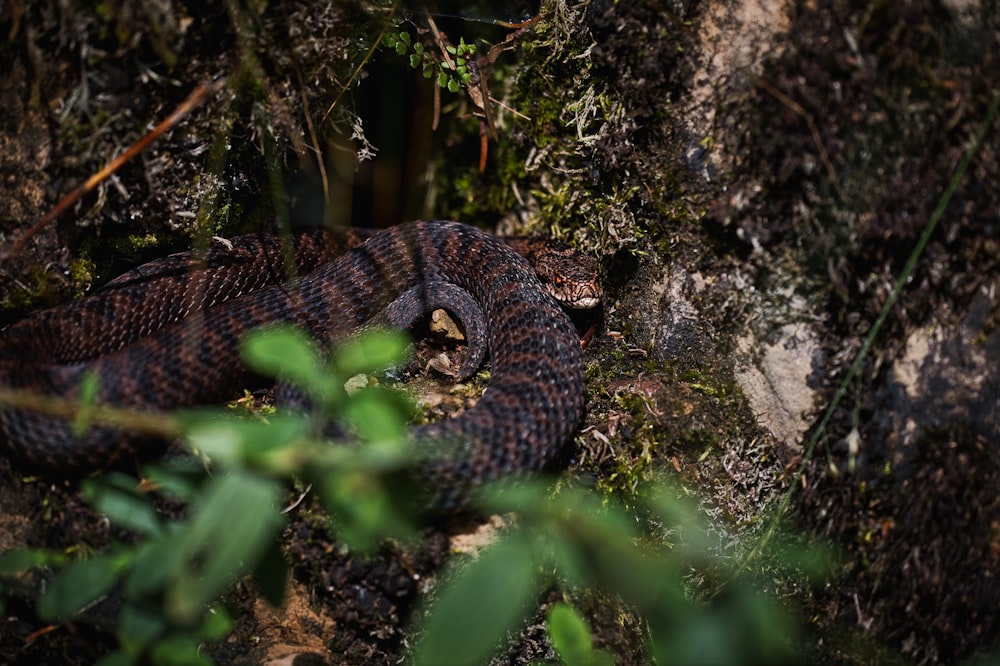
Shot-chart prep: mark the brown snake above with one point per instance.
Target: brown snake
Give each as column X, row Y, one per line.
column 163, row 336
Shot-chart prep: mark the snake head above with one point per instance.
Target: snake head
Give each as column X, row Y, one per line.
column 568, row 275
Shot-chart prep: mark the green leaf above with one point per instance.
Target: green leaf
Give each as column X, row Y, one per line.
column 156, row 562
column 606, row 534
column 233, row 443
column 179, row 650
column 221, row 441
column 569, row 633
column 231, row 529
column 370, row 352
column 682, row 515
column 571, row 639
column 285, row 352
column 378, row 414
column 78, row 585
column 115, row 496
column 216, row 625
column 138, row 626
column 178, row 477
column 488, row 598
column 362, row 504
column 719, row 634
column 530, row 495
column 21, row 559
column 570, row 560
column 442, row 80
column 453, row 86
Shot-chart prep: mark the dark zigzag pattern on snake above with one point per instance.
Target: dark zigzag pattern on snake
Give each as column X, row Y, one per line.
column 165, row 358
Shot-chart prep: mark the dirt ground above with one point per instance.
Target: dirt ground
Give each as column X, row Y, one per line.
column 753, row 177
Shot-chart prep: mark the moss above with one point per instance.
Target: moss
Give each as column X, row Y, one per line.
column 81, row 274
column 41, row 287
column 134, row 245
column 668, row 416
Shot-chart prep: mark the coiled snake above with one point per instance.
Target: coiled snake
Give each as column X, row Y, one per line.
column 163, row 336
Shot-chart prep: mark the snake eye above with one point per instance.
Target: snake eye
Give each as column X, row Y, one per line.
column 558, row 280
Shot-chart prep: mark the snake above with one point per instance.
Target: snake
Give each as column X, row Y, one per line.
column 166, row 335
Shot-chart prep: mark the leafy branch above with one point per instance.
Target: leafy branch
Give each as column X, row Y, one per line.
column 456, row 67
column 166, row 581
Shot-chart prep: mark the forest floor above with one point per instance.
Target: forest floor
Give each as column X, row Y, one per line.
column 753, row 177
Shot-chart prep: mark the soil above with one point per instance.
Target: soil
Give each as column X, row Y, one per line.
column 753, row 177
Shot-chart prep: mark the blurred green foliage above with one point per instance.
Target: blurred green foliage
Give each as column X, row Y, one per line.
column 170, row 578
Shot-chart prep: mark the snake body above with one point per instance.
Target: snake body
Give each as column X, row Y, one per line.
column 162, row 337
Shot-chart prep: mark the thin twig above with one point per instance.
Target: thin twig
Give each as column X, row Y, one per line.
column 156, row 424
column 364, row 61
column 307, row 113
column 817, row 139
column 184, row 108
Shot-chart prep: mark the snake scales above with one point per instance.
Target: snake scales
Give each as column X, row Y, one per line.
column 163, row 336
